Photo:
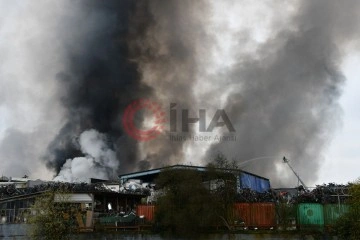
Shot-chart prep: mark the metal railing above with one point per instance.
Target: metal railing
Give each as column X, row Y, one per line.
column 14, row 215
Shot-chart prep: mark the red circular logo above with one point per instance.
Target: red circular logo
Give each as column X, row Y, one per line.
column 156, row 113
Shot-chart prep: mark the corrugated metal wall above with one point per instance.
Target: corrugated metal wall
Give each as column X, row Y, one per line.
column 310, row 215
column 263, row 214
column 243, row 212
column 333, row 211
column 148, row 211
column 260, row 215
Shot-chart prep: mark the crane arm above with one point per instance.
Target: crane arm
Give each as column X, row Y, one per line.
column 298, row 177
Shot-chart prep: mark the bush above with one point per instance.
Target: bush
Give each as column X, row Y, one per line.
column 187, row 206
column 52, row 220
column 184, row 206
column 348, row 225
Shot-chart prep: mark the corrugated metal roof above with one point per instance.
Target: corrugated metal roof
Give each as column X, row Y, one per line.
column 74, row 198
column 158, row 170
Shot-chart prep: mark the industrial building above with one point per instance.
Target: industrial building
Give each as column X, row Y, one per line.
column 93, row 199
column 244, row 179
column 130, row 201
column 102, row 201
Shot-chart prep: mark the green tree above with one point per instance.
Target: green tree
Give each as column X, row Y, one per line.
column 193, row 200
column 221, row 161
column 348, row 225
column 223, row 194
column 185, row 205
column 50, row 219
column 285, row 212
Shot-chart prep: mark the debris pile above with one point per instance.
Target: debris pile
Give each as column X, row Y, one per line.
column 326, row 193
column 250, row 196
column 11, row 191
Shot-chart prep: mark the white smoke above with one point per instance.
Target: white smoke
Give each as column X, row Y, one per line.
column 99, row 160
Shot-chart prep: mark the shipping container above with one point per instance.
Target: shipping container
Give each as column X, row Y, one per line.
column 333, row 211
column 310, row 216
column 256, row 215
column 148, row 211
column 263, row 215
column 243, row 213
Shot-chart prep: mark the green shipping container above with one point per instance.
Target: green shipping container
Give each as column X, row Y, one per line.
column 310, row 215
column 333, row 211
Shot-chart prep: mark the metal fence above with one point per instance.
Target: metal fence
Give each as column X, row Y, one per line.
column 14, row 215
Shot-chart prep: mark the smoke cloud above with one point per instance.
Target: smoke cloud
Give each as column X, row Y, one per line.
column 171, row 55
column 30, row 56
column 286, row 92
column 99, row 161
column 128, row 51
column 72, row 67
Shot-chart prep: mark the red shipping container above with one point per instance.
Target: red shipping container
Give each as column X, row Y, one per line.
column 147, row 211
column 243, row 213
column 263, row 215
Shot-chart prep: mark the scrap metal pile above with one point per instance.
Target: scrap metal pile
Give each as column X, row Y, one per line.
column 326, row 193
column 247, row 195
column 11, row 191
column 135, row 186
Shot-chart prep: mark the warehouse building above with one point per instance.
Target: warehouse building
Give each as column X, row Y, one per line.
column 244, row 179
column 94, row 199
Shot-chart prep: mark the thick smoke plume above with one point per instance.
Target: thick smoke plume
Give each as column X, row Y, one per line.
column 129, row 50
column 86, row 60
column 99, row 81
column 170, row 55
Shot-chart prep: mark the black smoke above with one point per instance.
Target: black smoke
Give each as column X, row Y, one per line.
column 282, row 97
column 126, row 50
column 99, row 81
